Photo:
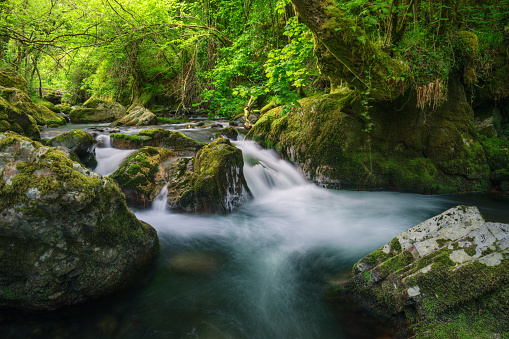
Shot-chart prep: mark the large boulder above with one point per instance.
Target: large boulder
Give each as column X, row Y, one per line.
column 13, row 80
column 97, row 110
column 143, row 174
column 158, row 137
column 210, row 183
column 49, row 117
column 450, row 271
column 137, row 115
column 66, row 234
column 80, row 142
column 14, row 119
column 341, row 141
column 21, row 114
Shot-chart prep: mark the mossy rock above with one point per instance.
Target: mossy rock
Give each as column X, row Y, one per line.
column 13, row 117
column 47, row 104
column 63, row 108
column 66, row 234
column 338, row 145
column 80, row 142
column 96, row 111
column 50, row 117
column 210, row 183
column 143, row 174
column 137, row 115
column 158, row 137
column 229, row 132
column 429, row 276
column 13, row 80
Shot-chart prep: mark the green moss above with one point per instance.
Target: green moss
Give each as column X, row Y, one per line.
column 47, row 104
column 132, row 138
column 142, row 175
column 169, row 121
column 376, row 257
column 366, row 276
column 497, row 152
column 32, row 175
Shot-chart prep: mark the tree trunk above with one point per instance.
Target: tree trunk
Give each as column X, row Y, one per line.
column 367, row 66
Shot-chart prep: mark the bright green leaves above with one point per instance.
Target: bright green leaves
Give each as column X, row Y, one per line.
column 289, row 68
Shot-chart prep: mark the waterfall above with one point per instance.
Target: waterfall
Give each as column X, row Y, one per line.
column 159, row 203
column 108, row 158
column 103, row 141
column 264, row 171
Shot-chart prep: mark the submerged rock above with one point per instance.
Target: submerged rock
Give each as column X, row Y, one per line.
column 80, row 142
column 451, row 264
column 201, row 263
column 66, row 234
column 142, row 175
column 97, row 110
column 137, row 115
column 158, row 137
column 211, row 182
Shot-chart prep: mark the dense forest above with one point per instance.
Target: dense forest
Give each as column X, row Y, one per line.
column 221, row 56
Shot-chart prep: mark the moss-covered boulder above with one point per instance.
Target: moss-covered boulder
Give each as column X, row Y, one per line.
column 143, row 174
column 158, row 137
column 137, row 115
column 63, row 108
column 80, row 142
column 97, row 110
column 13, row 80
column 339, row 142
column 14, row 118
column 451, row 271
column 66, row 235
column 20, row 113
column 49, row 117
column 229, row 132
column 211, row 182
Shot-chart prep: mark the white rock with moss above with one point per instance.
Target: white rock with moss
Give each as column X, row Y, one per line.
column 452, row 263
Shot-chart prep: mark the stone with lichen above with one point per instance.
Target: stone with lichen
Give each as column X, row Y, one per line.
column 80, row 142
column 212, row 182
column 143, row 174
column 66, row 235
column 431, row 273
column 158, row 137
column 137, row 115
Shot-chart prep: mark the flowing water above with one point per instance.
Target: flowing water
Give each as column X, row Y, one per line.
column 259, row 272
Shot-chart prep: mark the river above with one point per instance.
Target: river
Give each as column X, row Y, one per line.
column 261, row 271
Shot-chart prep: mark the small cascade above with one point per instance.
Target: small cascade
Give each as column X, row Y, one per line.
column 264, row 171
column 103, row 141
column 160, row 201
column 108, row 158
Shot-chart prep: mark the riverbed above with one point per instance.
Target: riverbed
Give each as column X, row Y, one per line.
column 260, row 272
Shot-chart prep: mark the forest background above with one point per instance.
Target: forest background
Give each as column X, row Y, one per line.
column 221, row 56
